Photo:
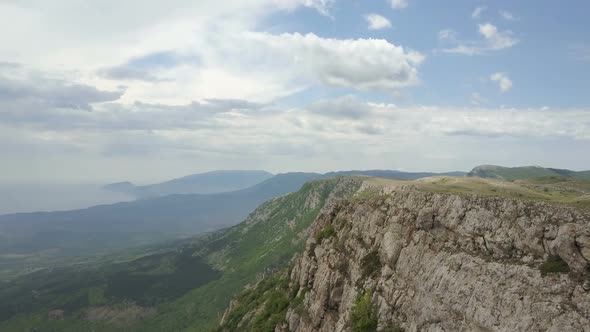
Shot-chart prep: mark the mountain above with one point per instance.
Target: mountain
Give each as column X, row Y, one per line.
column 527, row 172
column 441, row 254
column 225, row 181
column 27, row 237
column 34, row 240
column 345, row 253
column 175, row 287
column 203, row 183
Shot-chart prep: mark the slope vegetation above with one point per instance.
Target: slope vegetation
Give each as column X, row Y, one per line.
column 173, row 288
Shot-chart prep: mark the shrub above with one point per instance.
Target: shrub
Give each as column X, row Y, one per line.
column 362, row 315
column 371, row 264
column 554, row 264
column 327, row 232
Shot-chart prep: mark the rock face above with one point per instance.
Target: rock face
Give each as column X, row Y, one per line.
column 444, row 262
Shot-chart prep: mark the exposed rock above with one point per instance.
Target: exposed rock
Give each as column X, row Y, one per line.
column 448, row 263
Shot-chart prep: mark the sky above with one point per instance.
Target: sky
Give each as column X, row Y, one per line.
column 103, row 91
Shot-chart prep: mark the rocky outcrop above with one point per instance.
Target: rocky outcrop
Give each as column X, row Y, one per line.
column 444, row 262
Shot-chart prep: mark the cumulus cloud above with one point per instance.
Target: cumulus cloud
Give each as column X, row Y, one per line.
column 377, row 22
column 398, row 4
column 478, row 11
column 109, row 55
column 504, row 82
column 354, row 63
column 493, row 40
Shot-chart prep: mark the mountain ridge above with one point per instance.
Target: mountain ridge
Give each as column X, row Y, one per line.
column 524, row 172
column 200, row 183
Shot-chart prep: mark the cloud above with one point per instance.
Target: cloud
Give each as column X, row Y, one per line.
column 377, row 22
column 494, row 40
column 362, row 64
column 25, row 91
column 138, row 139
column 322, row 6
column 342, row 107
column 146, row 67
column 447, row 34
column 504, row 82
column 508, row 16
column 477, row 99
column 398, row 4
column 478, row 11
column 132, row 52
column 497, row 40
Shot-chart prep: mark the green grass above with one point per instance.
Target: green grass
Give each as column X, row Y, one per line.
column 363, row 317
column 523, row 173
column 555, row 189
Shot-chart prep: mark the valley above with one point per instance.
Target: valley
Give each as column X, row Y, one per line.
column 188, row 284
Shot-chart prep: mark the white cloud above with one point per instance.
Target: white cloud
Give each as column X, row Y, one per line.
column 377, row 22
column 494, row 40
column 355, row 63
column 508, row 16
column 81, row 45
column 398, row 4
column 497, row 40
column 447, row 34
column 478, row 11
column 504, row 82
column 138, row 140
column 322, row 6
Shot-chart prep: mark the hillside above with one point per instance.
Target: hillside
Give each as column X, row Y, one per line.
column 172, row 288
column 440, row 254
column 29, row 241
column 527, row 172
column 368, row 250
column 202, row 183
column 33, row 240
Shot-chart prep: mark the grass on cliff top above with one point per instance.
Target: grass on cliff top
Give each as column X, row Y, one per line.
column 554, row 189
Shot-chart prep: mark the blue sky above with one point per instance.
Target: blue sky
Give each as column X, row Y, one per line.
column 149, row 90
column 547, row 65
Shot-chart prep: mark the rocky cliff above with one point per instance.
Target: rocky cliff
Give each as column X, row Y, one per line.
column 407, row 259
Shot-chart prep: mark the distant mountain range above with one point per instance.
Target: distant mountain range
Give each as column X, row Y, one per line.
column 131, row 223
column 156, row 218
column 526, row 172
column 225, row 181
column 202, row 183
